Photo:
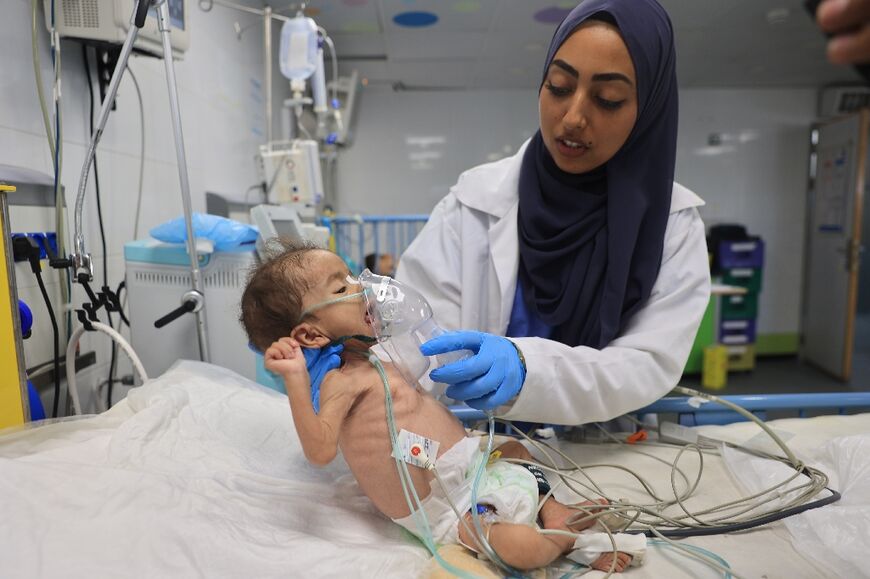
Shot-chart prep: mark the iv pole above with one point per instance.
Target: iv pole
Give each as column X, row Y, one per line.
column 194, row 299
column 268, row 15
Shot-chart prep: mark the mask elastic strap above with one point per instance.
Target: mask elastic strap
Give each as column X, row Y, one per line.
column 315, row 307
column 361, row 337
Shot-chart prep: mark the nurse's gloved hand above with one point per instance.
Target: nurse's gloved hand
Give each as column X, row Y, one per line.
column 486, row 380
column 319, row 361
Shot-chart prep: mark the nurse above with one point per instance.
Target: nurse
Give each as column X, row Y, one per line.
column 580, row 248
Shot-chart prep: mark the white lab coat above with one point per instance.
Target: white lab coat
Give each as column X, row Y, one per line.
column 465, row 261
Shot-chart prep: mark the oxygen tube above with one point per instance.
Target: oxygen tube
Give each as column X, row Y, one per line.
column 401, row 320
column 418, row 512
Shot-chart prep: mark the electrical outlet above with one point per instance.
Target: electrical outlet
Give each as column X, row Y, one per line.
column 51, row 237
column 16, row 256
column 41, row 240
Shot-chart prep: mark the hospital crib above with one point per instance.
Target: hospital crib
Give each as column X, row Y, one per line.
column 691, row 414
column 354, row 237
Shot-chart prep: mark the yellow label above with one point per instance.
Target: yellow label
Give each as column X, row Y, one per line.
column 11, row 405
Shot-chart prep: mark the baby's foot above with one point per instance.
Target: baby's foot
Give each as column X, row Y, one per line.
column 558, row 516
column 604, row 562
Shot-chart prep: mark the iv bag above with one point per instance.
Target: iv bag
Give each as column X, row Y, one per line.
column 298, row 48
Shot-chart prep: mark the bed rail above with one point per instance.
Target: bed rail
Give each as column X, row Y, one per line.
column 711, row 413
column 354, row 237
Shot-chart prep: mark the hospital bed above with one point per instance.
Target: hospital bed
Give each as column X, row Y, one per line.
column 199, row 473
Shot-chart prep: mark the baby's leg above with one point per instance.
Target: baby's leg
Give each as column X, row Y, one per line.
column 520, row 546
column 513, row 449
column 554, row 515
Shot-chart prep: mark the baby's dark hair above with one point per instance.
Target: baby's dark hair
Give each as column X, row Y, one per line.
column 272, row 301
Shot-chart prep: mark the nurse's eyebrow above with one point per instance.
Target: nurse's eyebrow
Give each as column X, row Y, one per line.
column 566, row 67
column 600, row 77
column 608, row 76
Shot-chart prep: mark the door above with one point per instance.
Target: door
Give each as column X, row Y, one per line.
column 834, row 243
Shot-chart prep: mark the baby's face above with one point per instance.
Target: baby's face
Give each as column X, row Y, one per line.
column 345, row 318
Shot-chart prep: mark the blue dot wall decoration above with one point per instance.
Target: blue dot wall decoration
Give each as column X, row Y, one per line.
column 415, row 19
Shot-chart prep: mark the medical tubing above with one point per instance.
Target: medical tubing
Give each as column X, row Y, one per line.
column 310, row 309
column 70, row 357
column 751, row 524
column 405, row 476
column 817, row 483
column 614, row 550
column 55, row 143
column 56, row 342
column 707, row 557
column 713, row 509
column 99, row 195
column 657, row 513
column 475, row 516
column 126, row 48
column 141, row 152
column 453, row 506
column 334, row 58
column 737, row 503
column 652, row 456
column 60, row 230
column 37, row 71
column 745, row 413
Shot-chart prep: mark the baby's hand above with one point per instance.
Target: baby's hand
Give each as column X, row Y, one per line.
column 285, row 358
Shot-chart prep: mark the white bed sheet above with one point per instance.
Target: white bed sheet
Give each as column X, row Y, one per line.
column 199, row 473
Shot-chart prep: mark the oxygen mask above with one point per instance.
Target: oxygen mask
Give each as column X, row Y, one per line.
column 402, row 320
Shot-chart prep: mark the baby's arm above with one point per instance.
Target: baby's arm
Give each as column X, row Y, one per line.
column 318, row 433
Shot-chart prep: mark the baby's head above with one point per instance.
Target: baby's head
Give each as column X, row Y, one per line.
column 286, row 296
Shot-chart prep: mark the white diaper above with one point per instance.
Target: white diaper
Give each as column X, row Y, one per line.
column 510, row 488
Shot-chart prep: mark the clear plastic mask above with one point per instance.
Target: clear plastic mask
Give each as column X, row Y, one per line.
column 402, row 321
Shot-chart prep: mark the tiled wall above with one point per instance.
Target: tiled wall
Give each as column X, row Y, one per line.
column 220, row 83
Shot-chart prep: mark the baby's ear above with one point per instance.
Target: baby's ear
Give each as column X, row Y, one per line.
column 308, row 336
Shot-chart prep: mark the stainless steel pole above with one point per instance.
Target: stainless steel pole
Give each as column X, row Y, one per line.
column 81, row 258
column 197, row 294
column 267, row 59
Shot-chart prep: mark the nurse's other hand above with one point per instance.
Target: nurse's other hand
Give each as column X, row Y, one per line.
column 847, row 21
column 319, row 362
column 486, row 380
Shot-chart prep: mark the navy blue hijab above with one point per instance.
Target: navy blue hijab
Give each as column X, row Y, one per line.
column 591, row 244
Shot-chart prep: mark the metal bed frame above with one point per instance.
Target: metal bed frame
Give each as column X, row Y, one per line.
column 354, row 237
column 710, row 413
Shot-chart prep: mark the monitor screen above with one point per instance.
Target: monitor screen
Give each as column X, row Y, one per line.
column 286, row 228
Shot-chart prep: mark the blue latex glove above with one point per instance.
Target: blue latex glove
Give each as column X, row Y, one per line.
column 486, row 380
column 319, row 361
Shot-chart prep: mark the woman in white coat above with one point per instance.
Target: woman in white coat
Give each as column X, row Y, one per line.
column 581, row 247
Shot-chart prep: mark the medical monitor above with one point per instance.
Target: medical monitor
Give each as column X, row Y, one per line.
column 275, row 221
column 107, row 21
